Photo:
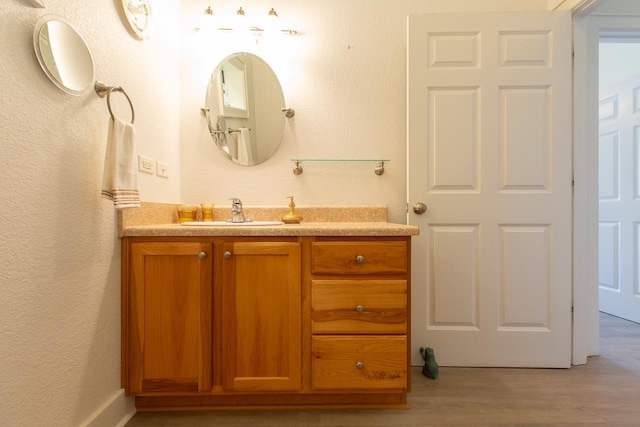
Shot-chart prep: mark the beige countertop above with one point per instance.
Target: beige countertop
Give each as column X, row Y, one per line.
column 378, row 228
column 155, row 219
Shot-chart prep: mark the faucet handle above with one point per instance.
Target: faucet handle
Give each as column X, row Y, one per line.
column 236, row 203
column 236, row 211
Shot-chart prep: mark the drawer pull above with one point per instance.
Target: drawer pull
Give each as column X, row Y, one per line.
column 202, row 255
column 360, row 308
column 359, row 259
column 227, row 255
column 360, row 365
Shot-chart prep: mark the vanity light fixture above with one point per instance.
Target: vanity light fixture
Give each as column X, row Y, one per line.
column 273, row 23
column 240, row 23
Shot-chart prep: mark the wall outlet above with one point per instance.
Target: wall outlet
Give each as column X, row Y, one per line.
column 146, row 164
column 162, row 169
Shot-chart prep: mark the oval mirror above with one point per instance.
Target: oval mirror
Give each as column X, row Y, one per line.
column 63, row 54
column 244, row 102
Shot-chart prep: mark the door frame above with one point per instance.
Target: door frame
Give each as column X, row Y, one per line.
column 586, row 35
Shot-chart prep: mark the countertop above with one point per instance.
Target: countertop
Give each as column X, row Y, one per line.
column 377, row 228
column 155, row 219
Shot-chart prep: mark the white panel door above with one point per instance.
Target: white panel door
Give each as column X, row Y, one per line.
column 619, row 202
column 489, row 153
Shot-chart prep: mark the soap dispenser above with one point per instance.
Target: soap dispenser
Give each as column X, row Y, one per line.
column 292, row 217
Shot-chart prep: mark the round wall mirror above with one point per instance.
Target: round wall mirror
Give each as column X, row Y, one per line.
column 63, row 54
column 244, row 102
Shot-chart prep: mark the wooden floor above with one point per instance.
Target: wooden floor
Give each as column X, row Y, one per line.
column 604, row 392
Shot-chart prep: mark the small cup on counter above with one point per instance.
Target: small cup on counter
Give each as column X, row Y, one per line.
column 207, row 211
column 187, row 213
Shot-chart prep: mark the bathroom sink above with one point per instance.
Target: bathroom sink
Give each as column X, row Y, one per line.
column 232, row 224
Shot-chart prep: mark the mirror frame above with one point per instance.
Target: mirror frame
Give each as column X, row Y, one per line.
column 44, row 20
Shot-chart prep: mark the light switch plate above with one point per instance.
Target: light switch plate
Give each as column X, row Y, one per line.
column 162, row 169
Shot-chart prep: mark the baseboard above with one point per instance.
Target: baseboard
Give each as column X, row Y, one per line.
column 116, row 411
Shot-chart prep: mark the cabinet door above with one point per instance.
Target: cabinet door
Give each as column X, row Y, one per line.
column 170, row 317
column 261, row 309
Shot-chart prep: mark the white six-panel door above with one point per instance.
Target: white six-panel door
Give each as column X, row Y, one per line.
column 619, row 191
column 489, row 153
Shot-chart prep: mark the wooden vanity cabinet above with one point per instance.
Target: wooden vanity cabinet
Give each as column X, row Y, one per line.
column 257, row 321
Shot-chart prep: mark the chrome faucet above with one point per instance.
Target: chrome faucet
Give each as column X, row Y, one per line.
column 236, row 211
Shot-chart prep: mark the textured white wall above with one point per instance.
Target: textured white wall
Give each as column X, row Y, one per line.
column 345, row 76
column 60, row 269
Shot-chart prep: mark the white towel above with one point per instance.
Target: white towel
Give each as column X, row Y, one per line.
column 120, row 178
column 220, row 134
column 245, row 156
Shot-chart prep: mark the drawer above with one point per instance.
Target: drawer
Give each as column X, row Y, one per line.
column 358, row 257
column 359, row 306
column 378, row 362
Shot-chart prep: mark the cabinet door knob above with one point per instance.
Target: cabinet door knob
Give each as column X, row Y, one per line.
column 359, row 259
column 360, row 365
column 202, row 255
column 360, row 308
column 227, row 255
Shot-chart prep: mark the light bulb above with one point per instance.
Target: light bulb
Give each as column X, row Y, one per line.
column 241, row 23
column 272, row 23
column 207, row 20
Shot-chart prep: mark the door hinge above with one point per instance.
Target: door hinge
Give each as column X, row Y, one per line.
column 573, row 57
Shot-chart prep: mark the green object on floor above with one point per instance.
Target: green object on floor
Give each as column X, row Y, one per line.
column 430, row 368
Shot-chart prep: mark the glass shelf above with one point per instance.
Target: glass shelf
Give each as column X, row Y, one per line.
column 378, row 170
column 339, row 160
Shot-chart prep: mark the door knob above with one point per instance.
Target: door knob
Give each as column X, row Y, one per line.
column 419, row 208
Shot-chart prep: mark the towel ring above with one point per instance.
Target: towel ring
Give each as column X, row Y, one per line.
column 103, row 90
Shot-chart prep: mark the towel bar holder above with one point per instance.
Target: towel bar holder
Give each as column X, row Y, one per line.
column 288, row 112
column 105, row 91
